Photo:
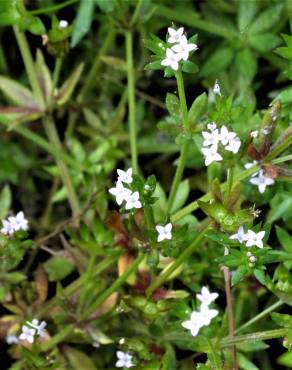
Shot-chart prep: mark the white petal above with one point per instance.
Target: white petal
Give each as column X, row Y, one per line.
column 168, row 227
column 174, row 65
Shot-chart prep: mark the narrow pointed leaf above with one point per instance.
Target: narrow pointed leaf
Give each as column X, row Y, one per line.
column 69, row 85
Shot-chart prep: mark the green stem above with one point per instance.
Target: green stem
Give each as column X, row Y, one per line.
column 258, row 336
column 53, row 8
column 182, row 99
column 29, row 65
column 115, row 286
column 179, row 261
column 64, row 172
column 136, row 12
column 131, row 101
column 229, row 185
column 56, row 77
column 285, row 158
column 194, row 205
column 279, row 149
column 56, row 339
column 262, row 314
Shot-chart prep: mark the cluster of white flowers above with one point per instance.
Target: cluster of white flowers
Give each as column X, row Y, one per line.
column 31, row 329
column 13, row 224
column 250, row 238
column 164, row 232
column 179, row 51
column 124, row 360
column 203, row 317
column 259, row 178
column 213, row 138
column 122, row 193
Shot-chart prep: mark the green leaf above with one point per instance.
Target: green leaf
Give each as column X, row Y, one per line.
column 32, row 24
column 69, row 85
column 239, row 274
column 44, row 75
column 246, row 63
column 5, row 201
column 18, row 94
column 58, row 268
column 284, row 238
column 264, row 42
column 217, row 62
column 266, row 19
column 245, row 363
column 153, row 66
column 281, row 319
column 105, row 6
column 198, row 108
column 9, row 13
column 83, row 21
column 285, row 359
column 260, row 275
column 189, row 67
column 79, row 360
column 245, row 13
column 181, row 196
column 173, row 106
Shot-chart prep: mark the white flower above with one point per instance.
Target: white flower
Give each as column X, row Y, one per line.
column 262, row 181
column 183, row 49
column 38, row 327
column 7, row 228
column 211, row 155
column 124, row 360
column 207, row 314
column 164, row 232
column 171, row 59
column 132, row 201
column 27, row 334
column 255, row 239
column 120, row 192
column 194, row 324
column 19, row 222
column 254, row 134
column 240, row 235
column 63, row 24
column 233, row 145
column 216, row 88
column 125, row 176
column 211, row 138
column 12, row 339
column 212, row 126
column 226, row 136
column 206, row 297
column 175, row 35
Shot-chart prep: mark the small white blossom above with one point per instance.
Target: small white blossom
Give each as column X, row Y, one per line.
column 125, row 176
column 38, row 327
column 226, row 136
column 212, row 126
column 63, row 24
column 193, row 324
column 262, row 181
column 211, row 155
column 7, row 228
column 206, row 297
column 254, row 239
column 175, row 35
column 12, row 339
column 124, row 360
column 120, row 192
column 207, row 314
column 211, row 138
column 164, row 232
column 19, row 222
column 27, row 334
column 254, row 134
column 183, row 49
column 216, row 88
column 233, row 145
column 132, row 201
column 171, row 59
column 240, row 235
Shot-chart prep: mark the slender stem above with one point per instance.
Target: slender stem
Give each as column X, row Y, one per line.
column 262, row 314
column 131, row 100
column 64, row 172
column 258, row 336
column 29, row 65
column 56, row 339
column 53, row 8
column 229, row 185
column 285, row 158
column 184, row 150
column 228, row 294
column 279, row 149
column 115, row 286
column 177, row 263
column 136, row 12
column 57, row 72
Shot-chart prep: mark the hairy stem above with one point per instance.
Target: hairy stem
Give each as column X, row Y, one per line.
column 131, row 100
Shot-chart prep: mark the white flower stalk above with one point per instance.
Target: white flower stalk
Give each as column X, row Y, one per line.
column 164, row 232
column 206, row 297
column 183, row 49
column 261, row 181
column 132, row 201
column 171, row 60
column 211, row 155
column 241, row 236
column 216, row 88
column 120, row 192
column 125, row 176
column 27, row 334
column 175, row 35
column 254, row 239
column 124, row 360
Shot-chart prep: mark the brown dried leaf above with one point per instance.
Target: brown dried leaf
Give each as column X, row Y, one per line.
column 41, row 279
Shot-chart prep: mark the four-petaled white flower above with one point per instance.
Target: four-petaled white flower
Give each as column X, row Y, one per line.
column 38, row 327
column 216, row 88
column 233, row 145
column 183, row 49
column 124, row 360
column 171, row 59
column 254, row 239
column 125, row 176
column 120, row 192
column 63, row 24
column 14, row 223
column 262, row 181
column 240, row 235
column 175, row 35
column 211, row 155
column 206, row 297
column 207, row 314
column 7, row 228
column 211, row 138
column 226, row 136
column 132, row 201
column 27, row 334
column 193, row 324
column 164, row 232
